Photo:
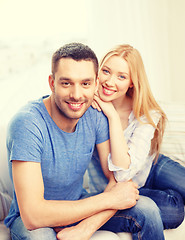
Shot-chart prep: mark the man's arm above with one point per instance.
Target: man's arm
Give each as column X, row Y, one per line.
column 129, row 191
column 85, row 229
column 37, row 212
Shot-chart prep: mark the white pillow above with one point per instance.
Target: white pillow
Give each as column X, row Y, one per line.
column 173, row 144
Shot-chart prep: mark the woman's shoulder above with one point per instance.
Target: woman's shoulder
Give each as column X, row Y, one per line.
column 155, row 115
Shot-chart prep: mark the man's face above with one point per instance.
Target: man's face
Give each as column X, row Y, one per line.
column 74, row 87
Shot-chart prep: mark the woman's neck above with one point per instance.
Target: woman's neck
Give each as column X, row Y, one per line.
column 123, row 104
column 123, row 107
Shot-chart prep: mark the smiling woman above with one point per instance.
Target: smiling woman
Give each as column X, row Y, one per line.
column 112, row 80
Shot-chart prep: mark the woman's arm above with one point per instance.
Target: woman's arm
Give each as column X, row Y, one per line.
column 137, row 151
column 118, row 145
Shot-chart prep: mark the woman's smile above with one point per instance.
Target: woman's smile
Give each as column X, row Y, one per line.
column 107, row 91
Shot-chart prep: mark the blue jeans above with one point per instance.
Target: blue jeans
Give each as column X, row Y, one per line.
column 161, row 206
column 19, row 232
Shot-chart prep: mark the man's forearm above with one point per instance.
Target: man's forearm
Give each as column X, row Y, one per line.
column 86, row 228
column 36, row 212
column 93, row 223
column 61, row 213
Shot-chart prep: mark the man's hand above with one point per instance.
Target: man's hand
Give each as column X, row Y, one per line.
column 123, row 195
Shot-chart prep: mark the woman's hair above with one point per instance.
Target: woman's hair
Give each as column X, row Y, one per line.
column 143, row 100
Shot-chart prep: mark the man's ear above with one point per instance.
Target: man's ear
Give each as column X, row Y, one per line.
column 51, row 81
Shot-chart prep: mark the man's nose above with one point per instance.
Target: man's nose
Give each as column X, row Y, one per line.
column 76, row 93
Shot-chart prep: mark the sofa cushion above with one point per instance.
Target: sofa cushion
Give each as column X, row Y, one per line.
column 173, row 144
column 4, row 232
column 104, row 235
column 5, row 201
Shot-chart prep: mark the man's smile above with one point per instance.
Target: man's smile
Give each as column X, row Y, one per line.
column 75, row 106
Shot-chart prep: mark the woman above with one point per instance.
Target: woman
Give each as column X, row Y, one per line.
column 126, row 99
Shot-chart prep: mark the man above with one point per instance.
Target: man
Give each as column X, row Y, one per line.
column 50, row 144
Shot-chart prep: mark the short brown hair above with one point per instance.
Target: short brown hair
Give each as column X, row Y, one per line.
column 76, row 51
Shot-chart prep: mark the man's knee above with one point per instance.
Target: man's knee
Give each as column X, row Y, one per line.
column 42, row 234
column 18, row 231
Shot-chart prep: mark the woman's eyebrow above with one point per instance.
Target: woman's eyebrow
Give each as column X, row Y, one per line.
column 124, row 73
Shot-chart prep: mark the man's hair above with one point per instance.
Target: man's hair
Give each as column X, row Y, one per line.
column 75, row 51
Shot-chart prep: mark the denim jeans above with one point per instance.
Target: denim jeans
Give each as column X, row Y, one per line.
column 161, row 206
column 19, row 232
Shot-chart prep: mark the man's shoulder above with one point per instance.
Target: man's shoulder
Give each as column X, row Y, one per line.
column 95, row 119
column 95, row 114
column 27, row 114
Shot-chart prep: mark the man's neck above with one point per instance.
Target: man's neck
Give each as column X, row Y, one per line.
column 65, row 124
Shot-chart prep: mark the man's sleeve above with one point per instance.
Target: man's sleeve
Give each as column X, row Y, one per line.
column 24, row 139
column 102, row 128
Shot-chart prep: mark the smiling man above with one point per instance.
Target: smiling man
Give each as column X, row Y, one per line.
column 50, row 144
column 73, row 87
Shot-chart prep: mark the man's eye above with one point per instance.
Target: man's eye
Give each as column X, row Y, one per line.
column 65, row 84
column 86, row 84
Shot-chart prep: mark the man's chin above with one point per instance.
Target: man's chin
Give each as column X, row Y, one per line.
column 76, row 114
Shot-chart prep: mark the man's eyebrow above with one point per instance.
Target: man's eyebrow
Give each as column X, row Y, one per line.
column 64, row 78
column 88, row 80
column 83, row 80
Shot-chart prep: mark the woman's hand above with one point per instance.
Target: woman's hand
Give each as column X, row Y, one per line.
column 106, row 107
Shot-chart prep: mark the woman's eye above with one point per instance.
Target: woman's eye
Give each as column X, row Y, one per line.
column 105, row 71
column 122, row 77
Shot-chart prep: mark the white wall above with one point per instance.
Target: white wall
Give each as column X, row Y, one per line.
column 30, row 30
column 177, row 48
column 141, row 23
column 155, row 28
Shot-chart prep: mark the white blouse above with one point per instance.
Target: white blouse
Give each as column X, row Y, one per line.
column 138, row 136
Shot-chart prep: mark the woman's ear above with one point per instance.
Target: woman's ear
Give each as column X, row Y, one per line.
column 131, row 85
column 51, row 81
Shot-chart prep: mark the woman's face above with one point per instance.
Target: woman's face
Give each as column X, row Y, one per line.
column 114, row 79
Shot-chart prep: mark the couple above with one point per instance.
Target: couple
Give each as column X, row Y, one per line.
column 51, row 142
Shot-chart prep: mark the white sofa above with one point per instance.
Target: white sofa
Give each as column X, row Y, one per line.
column 173, row 146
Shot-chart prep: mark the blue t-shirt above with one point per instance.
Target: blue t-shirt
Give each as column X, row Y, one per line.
column 64, row 157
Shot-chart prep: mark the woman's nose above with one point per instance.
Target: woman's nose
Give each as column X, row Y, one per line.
column 110, row 81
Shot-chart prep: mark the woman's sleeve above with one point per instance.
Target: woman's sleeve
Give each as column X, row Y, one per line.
column 139, row 148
